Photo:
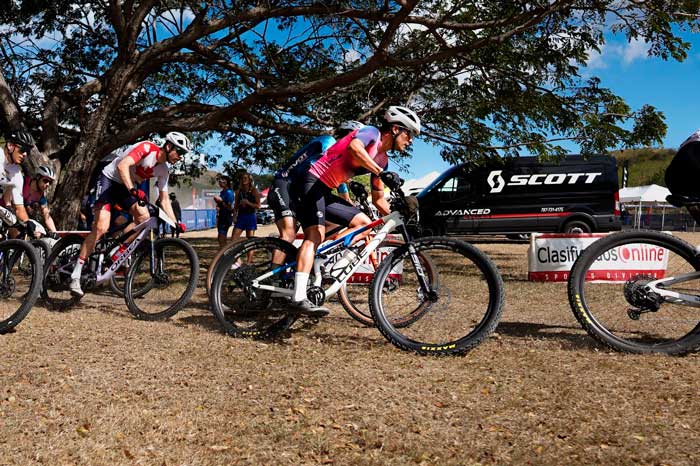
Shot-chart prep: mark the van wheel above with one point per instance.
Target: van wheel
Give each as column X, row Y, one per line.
column 577, row 226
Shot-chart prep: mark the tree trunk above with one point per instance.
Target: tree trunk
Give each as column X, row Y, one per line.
column 73, row 185
column 75, row 175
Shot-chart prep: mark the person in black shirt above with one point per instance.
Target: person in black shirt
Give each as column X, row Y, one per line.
column 178, row 214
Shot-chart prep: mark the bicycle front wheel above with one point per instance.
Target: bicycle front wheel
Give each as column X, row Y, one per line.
column 462, row 306
column 162, row 292
column 20, row 282
column 608, row 294
column 242, row 309
column 353, row 295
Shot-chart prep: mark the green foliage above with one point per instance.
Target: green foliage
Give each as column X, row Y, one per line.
column 646, row 166
column 488, row 79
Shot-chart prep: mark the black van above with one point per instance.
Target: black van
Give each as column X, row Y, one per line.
column 522, row 195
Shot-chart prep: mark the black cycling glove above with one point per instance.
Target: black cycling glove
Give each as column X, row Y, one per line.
column 391, row 179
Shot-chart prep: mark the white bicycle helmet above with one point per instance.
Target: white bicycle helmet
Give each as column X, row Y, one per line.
column 45, row 171
column 179, row 140
column 403, row 116
column 351, row 125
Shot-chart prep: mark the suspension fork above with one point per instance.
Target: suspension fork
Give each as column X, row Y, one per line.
column 152, row 259
column 428, row 292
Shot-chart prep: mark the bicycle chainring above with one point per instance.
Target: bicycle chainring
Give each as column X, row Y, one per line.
column 316, row 295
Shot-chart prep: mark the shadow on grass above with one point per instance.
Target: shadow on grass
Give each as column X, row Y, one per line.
column 571, row 337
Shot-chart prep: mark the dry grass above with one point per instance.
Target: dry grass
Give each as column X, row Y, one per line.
column 94, row 386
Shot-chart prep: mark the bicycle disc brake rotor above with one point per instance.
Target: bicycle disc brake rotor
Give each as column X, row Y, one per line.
column 243, row 277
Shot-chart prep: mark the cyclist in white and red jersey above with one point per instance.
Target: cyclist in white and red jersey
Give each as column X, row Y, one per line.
column 17, row 145
column 362, row 151
column 118, row 182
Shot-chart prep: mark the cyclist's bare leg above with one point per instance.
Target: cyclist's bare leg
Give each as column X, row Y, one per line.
column 140, row 215
column 357, row 222
column 99, row 227
column 313, row 237
column 287, row 228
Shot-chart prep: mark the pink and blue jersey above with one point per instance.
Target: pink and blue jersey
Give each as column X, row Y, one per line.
column 337, row 165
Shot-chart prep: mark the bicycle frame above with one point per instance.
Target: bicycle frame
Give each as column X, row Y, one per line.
column 147, row 226
column 673, row 296
column 391, row 222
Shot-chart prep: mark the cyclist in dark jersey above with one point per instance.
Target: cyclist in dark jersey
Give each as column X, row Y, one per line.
column 280, row 198
column 362, row 151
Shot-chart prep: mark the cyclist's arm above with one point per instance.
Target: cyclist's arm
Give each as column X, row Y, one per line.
column 123, row 168
column 343, row 192
column 360, row 155
column 21, row 213
column 48, row 220
column 378, row 198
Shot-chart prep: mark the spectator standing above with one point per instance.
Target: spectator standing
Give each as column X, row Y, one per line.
column 178, row 214
column 224, row 207
column 247, row 202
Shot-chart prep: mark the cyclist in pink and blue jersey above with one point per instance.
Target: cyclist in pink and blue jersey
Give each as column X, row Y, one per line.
column 360, row 152
column 280, row 199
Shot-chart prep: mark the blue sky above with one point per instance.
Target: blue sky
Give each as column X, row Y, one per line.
column 626, row 69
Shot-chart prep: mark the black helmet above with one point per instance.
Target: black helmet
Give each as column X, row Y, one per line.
column 21, row 137
column 172, row 195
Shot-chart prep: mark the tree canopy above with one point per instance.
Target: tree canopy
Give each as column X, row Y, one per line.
column 487, row 78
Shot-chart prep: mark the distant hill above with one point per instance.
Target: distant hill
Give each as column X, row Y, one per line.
column 646, row 166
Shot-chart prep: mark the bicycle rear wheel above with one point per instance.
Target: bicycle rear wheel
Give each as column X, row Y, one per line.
column 160, row 295
column 612, row 304
column 20, row 282
column 241, row 309
column 463, row 306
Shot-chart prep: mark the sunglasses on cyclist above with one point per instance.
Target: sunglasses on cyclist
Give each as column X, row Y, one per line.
column 181, row 152
column 47, row 180
column 23, row 149
column 410, row 133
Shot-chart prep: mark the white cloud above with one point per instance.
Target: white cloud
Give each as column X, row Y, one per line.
column 636, row 49
column 616, row 53
column 595, row 59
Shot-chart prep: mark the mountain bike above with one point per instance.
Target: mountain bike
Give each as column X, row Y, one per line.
column 161, row 274
column 353, row 294
column 20, row 273
column 433, row 295
column 648, row 307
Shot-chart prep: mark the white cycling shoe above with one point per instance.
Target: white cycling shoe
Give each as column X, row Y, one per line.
column 75, row 288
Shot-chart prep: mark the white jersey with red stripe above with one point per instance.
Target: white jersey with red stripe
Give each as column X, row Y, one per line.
column 11, row 180
column 145, row 154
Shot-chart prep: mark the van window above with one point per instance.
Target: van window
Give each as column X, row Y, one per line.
column 456, row 187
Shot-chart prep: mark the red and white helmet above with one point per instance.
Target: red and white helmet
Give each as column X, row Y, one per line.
column 403, row 116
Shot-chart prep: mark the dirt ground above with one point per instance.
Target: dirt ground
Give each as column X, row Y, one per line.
column 95, row 386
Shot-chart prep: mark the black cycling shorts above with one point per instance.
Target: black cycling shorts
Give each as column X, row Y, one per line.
column 109, row 193
column 317, row 203
column 279, row 199
column 684, row 170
